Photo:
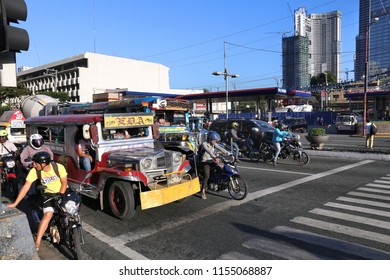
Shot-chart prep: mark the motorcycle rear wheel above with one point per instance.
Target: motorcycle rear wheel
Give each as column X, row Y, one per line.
column 302, row 159
column 254, row 155
column 237, row 188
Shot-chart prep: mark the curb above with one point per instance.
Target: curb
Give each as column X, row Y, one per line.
column 349, row 155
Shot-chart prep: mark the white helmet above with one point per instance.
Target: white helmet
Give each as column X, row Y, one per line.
column 36, row 141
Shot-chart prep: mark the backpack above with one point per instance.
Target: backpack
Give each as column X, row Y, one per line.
column 55, row 167
column 374, row 129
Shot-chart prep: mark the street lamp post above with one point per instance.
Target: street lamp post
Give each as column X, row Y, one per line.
column 226, row 75
column 366, row 70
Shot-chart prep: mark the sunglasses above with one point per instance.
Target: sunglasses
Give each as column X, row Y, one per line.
column 3, row 136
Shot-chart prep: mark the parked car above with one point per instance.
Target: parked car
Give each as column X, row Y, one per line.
column 257, row 129
column 296, row 124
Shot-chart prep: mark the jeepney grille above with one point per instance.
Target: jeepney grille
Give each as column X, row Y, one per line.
column 161, row 162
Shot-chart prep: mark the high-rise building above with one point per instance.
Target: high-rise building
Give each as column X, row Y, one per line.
column 323, row 33
column 296, row 62
column 375, row 15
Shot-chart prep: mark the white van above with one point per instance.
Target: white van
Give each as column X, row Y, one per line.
column 346, row 123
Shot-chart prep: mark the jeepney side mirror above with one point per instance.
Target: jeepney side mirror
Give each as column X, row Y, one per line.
column 94, row 133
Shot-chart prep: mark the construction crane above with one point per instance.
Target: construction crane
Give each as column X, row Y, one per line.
column 346, row 73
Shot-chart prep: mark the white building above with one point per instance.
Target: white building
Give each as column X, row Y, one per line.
column 88, row 73
column 324, row 33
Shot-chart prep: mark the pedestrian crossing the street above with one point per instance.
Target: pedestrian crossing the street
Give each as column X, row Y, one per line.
column 361, row 215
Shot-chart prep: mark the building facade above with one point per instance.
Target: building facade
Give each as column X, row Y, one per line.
column 323, row 51
column 295, row 62
column 325, row 43
column 379, row 39
column 86, row 74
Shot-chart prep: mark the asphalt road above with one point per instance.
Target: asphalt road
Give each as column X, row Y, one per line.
column 333, row 208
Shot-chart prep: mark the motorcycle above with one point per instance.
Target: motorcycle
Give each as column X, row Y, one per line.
column 9, row 183
column 65, row 226
column 225, row 175
column 246, row 148
column 290, row 147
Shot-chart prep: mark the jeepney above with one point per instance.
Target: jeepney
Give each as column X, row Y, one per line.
column 175, row 134
column 13, row 122
column 129, row 166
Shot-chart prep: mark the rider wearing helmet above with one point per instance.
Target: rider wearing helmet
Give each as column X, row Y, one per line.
column 6, row 147
column 36, row 144
column 234, row 139
column 209, row 156
column 277, row 138
column 55, row 181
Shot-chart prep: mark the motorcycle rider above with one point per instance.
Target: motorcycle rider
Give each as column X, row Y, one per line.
column 233, row 139
column 277, row 138
column 36, row 144
column 6, row 147
column 55, row 184
column 209, row 158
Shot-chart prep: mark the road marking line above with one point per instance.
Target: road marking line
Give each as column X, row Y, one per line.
column 235, row 256
column 332, row 243
column 351, row 218
column 385, row 178
column 114, row 243
column 376, row 196
column 381, row 182
column 373, row 190
column 378, row 186
column 275, row 170
column 222, row 206
column 346, row 230
column 358, row 209
column 363, row 201
column 276, row 248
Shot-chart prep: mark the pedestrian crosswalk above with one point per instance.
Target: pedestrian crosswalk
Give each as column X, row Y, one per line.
column 361, row 215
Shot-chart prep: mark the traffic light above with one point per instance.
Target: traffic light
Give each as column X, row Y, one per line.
column 13, row 39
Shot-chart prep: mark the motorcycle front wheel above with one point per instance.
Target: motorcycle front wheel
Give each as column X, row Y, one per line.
column 12, row 185
column 75, row 242
column 237, row 188
column 302, row 159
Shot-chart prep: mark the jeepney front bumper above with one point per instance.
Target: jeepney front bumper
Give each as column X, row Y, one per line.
column 161, row 194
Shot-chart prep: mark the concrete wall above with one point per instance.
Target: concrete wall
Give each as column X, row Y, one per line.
column 16, row 241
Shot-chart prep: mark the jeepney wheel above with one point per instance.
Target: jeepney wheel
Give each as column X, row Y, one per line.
column 121, row 200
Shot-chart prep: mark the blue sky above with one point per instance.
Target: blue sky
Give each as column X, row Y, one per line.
column 186, row 36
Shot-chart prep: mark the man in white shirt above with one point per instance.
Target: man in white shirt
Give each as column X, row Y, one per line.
column 6, row 147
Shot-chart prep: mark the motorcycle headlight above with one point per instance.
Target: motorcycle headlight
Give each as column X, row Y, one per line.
column 71, row 207
column 10, row 164
column 147, row 163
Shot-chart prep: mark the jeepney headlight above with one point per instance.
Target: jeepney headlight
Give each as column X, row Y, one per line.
column 177, row 158
column 147, row 163
column 10, row 164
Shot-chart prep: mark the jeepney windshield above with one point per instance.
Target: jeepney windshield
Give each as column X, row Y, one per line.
column 124, row 133
column 173, row 117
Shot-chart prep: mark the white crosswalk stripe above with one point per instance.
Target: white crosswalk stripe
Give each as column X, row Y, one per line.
column 360, row 214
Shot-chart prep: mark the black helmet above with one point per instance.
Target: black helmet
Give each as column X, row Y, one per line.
column 281, row 126
column 36, row 141
column 41, row 157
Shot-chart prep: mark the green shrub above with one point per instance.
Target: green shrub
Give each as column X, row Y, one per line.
column 319, row 131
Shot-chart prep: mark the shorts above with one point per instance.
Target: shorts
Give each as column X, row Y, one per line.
column 48, row 204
